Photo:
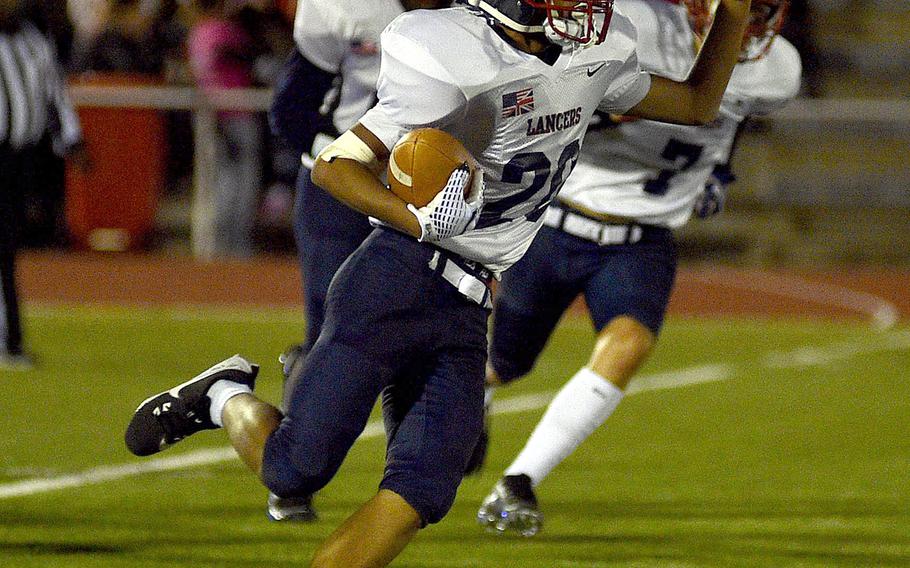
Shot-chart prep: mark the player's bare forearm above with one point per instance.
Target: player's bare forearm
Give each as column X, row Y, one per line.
column 357, row 186
column 719, row 54
column 697, row 99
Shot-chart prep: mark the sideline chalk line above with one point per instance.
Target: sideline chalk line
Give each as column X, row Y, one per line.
column 689, row 376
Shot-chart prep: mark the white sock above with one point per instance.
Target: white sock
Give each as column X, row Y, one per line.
column 580, row 407
column 488, row 396
column 221, row 392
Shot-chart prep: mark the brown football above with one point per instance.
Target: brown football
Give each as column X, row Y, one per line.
column 421, row 163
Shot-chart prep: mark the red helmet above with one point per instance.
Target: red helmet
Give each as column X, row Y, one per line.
column 767, row 18
column 580, row 22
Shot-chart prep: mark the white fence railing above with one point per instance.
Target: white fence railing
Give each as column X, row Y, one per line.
column 204, row 109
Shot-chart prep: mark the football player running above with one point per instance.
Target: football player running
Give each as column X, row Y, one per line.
column 609, row 236
column 517, row 81
column 326, row 85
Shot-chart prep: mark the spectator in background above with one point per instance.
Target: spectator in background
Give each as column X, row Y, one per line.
column 171, row 32
column 88, row 17
column 127, row 42
column 222, row 56
column 50, row 16
column 273, row 32
column 34, row 102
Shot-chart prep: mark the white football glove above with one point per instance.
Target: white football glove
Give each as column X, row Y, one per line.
column 451, row 213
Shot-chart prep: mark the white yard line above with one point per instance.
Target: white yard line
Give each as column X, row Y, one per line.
column 113, row 472
column 803, row 356
column 524, row 403
column 813, row 356
column 681, row 378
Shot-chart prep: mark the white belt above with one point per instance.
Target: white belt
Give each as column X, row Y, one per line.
column 467, row 284
column 591, row 229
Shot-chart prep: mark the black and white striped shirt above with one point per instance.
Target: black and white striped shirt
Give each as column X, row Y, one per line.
column 33, row 98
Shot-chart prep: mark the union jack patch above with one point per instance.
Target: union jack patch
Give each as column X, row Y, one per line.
column 517, row 103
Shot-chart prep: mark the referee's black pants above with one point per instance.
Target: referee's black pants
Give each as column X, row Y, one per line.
column 12, row 176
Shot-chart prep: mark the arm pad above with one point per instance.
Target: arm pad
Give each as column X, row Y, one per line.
column 351, row 147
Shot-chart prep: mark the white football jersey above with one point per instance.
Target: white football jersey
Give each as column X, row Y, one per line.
column 652, row 171
column 522, row 118
column 342, row 37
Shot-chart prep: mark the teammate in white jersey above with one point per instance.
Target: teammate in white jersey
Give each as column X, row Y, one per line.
column 609, row 236
column 327, row 84
column 517, row 82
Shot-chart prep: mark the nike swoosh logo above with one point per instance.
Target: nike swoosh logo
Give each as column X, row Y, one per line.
column 591, row 72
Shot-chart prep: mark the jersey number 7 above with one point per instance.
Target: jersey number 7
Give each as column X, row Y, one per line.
column 683, row 154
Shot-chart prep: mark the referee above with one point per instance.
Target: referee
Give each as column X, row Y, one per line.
column 33, row 103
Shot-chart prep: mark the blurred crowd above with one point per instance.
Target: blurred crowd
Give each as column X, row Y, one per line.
column 209, row 43
column 149, row 36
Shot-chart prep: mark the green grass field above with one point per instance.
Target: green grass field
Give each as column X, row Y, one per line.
column 795, row 452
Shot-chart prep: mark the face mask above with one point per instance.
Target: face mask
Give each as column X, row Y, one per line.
column 580, row 28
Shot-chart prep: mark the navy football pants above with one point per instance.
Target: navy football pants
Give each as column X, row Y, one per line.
column 393, row 328
column 326, row 232
column 630, row 279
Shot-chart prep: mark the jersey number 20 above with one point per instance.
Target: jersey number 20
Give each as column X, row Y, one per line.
column 494, row 212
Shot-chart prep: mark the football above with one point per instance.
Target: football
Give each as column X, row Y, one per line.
column 421, row 163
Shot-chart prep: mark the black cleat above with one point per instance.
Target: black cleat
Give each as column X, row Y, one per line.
column 170, row 416
column 295, row 509
column 512, row 506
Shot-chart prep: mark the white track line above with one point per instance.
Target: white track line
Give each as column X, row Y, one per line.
column 883, row 314
column 803, row 356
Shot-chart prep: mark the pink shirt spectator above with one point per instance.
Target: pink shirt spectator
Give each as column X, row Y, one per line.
column 219, row 55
